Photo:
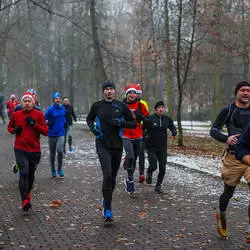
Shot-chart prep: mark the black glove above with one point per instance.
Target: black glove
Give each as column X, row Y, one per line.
column 17, row 130
column 30, row 120
column 96, row 131
column 139, row 116
column 174, row 133
column 115, row 122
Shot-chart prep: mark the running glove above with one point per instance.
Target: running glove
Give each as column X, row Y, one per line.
column 30, row 120
column 115, row 122
column 17, row 130
column 174, row 133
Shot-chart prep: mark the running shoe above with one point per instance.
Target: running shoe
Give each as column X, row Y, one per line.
column 108, row 215
column 221, row 225
column 129, row 186
column 248, row 238
column 26, row 205
column 70, row 149
column 141, row 178
column 60, row 172
column 158, row 189
column 15, row 168
column 53, row 173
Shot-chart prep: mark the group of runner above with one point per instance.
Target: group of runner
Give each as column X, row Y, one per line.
column 127, row 124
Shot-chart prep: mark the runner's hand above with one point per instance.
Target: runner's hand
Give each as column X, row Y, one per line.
column 30, row 120
column 232, row 140
column 17, row 130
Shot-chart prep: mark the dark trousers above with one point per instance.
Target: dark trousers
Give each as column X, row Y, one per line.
column 27, row 164
column 110, row 160
column 161, row 158
column 68, row 133
column 142, row 158
column 132, row 148
column 56, row 146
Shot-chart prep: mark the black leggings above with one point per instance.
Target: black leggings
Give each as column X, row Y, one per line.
column 226, row 196
column 27, row 164
column 110, row 160
column 132, row 148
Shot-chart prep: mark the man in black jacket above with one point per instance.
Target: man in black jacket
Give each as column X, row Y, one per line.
column 106, row 120
column 235, row 116
column 156, row 143
column 70, row 115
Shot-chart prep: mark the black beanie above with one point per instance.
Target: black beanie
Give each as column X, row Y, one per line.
column 108, row 84
column 239, row 85
column 159, row 103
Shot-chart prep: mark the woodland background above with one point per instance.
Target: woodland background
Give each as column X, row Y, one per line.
column 188, row 53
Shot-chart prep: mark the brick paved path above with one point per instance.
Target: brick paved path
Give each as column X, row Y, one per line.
column 183, row 218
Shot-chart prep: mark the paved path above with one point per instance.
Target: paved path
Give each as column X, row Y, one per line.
column 182, row 218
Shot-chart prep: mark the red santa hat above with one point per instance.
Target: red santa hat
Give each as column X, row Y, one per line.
column 138, row 89
column 130, row 88
column 28, row 95
column 12, row 96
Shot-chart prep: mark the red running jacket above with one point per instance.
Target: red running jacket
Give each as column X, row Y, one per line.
column 29, row 138
column 135, row 133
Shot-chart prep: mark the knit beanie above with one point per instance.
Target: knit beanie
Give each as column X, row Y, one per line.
column 28, row 95
column 239, row 85
column 130, row 88
column 55, row 95
column 159, row 103
column 108, row 84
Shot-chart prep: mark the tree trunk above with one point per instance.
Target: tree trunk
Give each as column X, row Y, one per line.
column 219, row 62
column 100, row 75
column 33, row 54
column 167, row 63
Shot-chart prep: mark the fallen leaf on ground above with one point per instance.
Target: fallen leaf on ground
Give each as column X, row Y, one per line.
column 55, row 203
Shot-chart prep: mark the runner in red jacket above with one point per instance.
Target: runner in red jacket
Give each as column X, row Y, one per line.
column 132, row 138
column 11, row 104
column 27, row 124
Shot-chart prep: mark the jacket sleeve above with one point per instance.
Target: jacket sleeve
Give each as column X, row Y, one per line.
column 11, row 124
column 91, row 117
column 41, row 125
column 243, row 144
column 129, row 122
column 218, row 124
column 172, row 127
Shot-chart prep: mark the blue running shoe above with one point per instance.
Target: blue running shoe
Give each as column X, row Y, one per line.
column 70, row 149
column 108, row 215
column 60, row 172
column 129, row 186
column 53, row 173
